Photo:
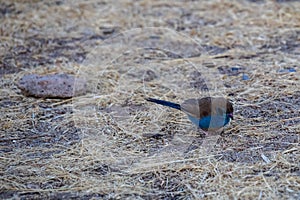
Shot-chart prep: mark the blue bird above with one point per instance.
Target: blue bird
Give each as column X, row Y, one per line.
column 208, row 113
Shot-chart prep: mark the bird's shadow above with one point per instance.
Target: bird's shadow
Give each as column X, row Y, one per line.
column 205, row 142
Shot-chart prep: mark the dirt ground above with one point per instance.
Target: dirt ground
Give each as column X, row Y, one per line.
column 112, row 144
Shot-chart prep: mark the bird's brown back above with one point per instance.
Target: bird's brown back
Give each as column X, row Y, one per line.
column 207, row 106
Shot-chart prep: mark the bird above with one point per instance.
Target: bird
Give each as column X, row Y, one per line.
column 207, row 113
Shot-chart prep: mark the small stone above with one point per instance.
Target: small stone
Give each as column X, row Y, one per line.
column 231, row 71
column 287, row 70
column 245, row 77
column 149, row 75
column 52, row 86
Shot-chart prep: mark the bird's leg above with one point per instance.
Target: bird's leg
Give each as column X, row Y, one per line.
column 222, row 133
column 202, row 132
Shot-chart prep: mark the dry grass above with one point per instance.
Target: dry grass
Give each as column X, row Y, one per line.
column 111, row 143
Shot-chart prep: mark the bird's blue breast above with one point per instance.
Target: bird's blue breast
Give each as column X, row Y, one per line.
column 210, row 122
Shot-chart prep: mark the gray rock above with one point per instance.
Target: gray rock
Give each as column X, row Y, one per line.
column 52, row 86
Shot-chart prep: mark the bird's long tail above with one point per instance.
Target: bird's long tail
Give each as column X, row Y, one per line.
column 164, row 103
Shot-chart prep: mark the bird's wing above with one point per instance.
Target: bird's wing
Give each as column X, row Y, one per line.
column 197, row 108
column 220, row 106
column 207, row 106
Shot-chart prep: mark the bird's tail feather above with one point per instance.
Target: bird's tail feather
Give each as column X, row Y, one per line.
column 165, row 103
